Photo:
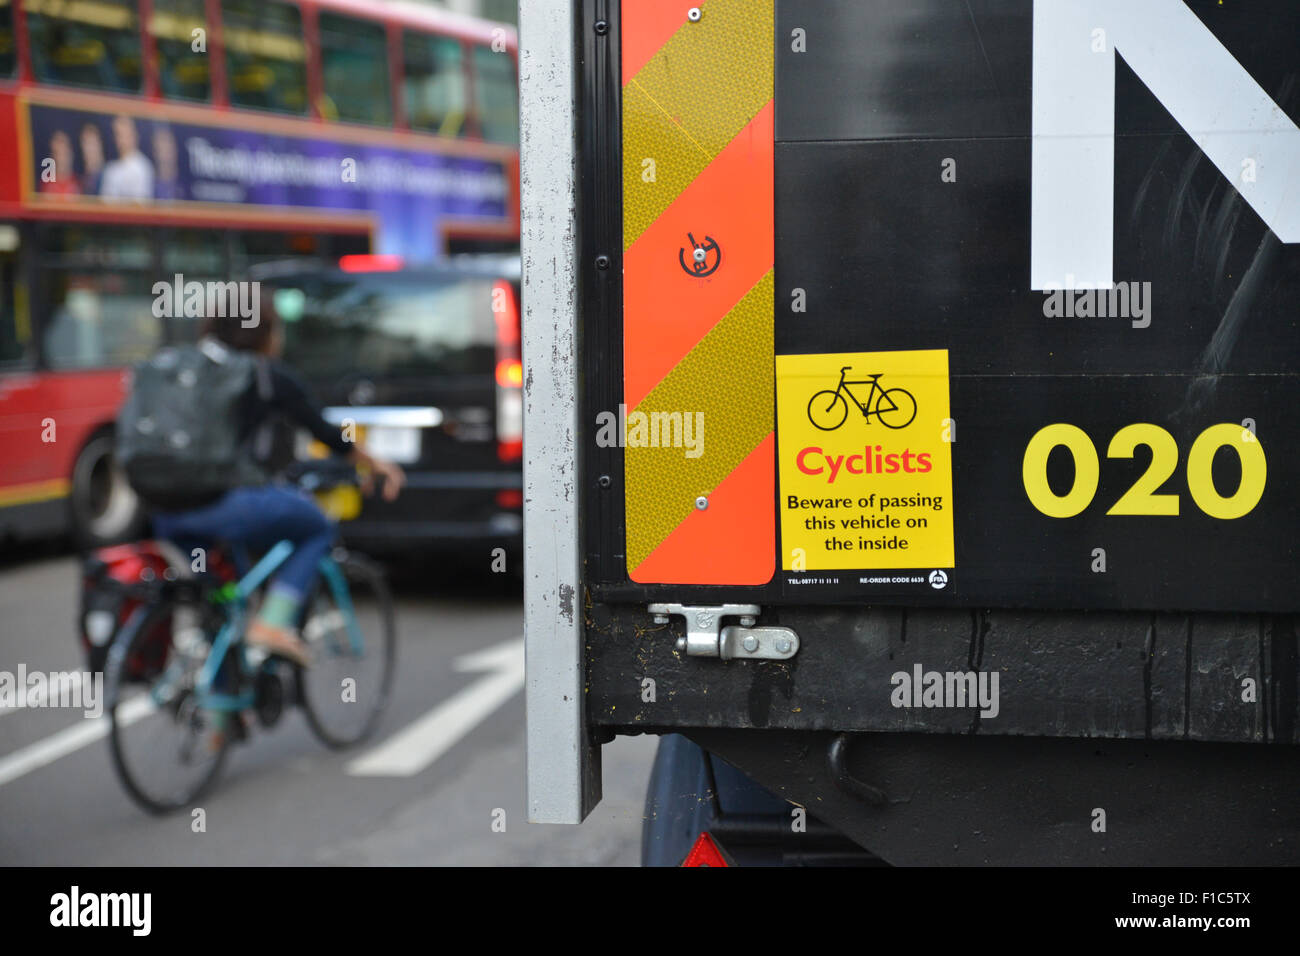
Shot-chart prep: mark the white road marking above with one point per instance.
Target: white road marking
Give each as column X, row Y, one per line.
column 69, row 740
column 36, row 698
column 405, row 754
column 413, row 749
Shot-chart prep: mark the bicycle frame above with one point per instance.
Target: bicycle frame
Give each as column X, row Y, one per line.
column 232, row 630
column 864, row 407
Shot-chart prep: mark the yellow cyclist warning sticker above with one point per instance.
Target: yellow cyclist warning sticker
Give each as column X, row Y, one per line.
column 865, row 460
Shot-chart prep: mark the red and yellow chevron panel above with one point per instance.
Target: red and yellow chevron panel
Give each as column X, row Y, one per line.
column 698, row 138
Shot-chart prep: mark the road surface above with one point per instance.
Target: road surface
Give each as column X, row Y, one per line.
column 446, row 765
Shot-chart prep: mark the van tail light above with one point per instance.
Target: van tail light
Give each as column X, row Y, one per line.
column 510, row 498
column 706, row 852
column 370, row 263
column 509, row 373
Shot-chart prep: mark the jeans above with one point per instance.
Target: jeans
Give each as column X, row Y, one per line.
column 258, row 517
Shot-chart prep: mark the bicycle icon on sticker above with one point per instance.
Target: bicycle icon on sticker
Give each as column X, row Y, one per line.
column 893, row 407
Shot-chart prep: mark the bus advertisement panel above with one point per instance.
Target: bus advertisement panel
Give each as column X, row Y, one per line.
column 79, row 157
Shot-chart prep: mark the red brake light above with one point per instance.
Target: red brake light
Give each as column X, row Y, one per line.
column 511, row 449
column 705, row 853
column 369, row 263
column 510, row 373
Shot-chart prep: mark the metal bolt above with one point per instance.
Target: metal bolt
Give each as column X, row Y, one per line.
column 783, row 646
column 699, row 254
column 602, row 262
column 747, row 621
column 750, row 643
column 693, row 14
column 604, row 481
column 681, row 643
column 601, row 28
column 701, row 502
column 661, row 618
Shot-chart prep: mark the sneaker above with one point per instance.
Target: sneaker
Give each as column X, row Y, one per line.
column 278, row 640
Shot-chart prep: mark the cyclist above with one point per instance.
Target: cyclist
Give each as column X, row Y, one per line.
column 259, row 514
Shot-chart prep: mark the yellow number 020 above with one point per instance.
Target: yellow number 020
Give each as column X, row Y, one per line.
column 1141, row 499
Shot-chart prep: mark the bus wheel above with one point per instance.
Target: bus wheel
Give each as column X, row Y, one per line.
column 104, row 508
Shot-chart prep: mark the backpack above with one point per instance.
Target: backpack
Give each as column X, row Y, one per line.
column 178, row 432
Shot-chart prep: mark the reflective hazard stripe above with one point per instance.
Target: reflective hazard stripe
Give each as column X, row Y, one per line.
column 690, row 100
column 698, row 293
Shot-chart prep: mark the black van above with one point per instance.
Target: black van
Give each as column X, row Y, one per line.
column 422, row 365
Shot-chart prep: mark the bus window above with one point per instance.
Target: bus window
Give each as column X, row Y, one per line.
column 15, row 330
column 497, row 92
column 8, row 59
column 257, row 246
column 87, row 43
column 195, row 253
column 354, row 71
column 505, row 11
column 434, row 83
column 200, row 256
column 180, row 32
column 266, row 59
column 97, row 297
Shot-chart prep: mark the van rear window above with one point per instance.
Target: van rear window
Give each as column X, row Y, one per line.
column 387, row 325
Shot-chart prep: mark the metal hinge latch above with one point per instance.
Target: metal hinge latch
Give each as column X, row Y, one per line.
column 707, row 637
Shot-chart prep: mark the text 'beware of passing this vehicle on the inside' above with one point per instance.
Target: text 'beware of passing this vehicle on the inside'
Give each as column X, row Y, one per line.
column 911, row 403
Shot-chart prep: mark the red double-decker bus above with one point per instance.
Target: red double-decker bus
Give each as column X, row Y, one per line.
column 147, row 140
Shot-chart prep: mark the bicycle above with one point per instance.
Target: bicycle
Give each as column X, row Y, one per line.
column 180, row 667
column 900, row 400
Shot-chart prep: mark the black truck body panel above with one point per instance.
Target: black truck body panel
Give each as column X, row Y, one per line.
column 1139, row 690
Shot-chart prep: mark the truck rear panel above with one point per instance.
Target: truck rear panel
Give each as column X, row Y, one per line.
column 959, row 342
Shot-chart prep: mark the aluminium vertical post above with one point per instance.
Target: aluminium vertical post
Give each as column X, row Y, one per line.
column 562, row 765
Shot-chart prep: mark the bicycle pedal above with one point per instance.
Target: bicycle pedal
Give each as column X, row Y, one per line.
column 239, row 727
column 269, row 692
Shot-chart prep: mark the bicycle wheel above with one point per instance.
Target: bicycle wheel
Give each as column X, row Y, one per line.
column 904, row 410
column 345, row 691
column 166, row 749
column 827, row 410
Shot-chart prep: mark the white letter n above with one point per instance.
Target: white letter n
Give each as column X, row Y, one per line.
column 1195, row 78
